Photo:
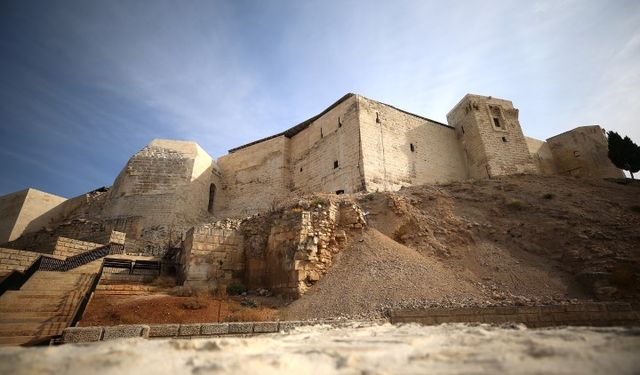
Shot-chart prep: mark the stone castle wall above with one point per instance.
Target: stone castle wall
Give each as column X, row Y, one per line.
column 26, row 211
column 19, row 260
column 259, row 171
column 211, row 256
column 542, row 156
column 491, row 137
column 400, row 149
column 166, row 182
column 286, row 251
column 325, row 157
column 583, row 152
column 357, row 144
column 67, row 247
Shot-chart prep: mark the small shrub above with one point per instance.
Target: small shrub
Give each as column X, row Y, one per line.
column 548, row 196
column 164, row 281
column 194, row 304
column 516, row 204
column 236, row 288
column 318, row 201
column 182, row 291
column 249, row 303
column 252, row 315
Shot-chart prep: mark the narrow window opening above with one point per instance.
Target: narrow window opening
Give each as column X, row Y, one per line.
column 339, row 192
column 335, row 164
column 462, row 128
column 212, row 197
column 504, row 139
column 339, row 122
column 496, row 122
column 377, row 117
column 413, row 149
column 321, row 135
column 300, row 169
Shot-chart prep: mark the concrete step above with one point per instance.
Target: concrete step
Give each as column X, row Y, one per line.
column 53, row 285
column 60, row 277
column 18, row 340
column 41, row 306
column 32, row 329
column 32, row 317
column 25, row 294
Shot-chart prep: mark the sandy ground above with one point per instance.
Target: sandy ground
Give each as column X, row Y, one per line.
column 360, row 349
column 162, row 309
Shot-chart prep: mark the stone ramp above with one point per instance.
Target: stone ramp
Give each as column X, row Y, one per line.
column 43, row 307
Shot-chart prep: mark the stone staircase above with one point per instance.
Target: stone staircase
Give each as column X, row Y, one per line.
column 45, row 305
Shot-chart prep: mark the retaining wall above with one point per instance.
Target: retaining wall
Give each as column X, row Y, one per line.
column 585, row 314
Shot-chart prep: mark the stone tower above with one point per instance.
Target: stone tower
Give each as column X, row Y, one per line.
column 490, row 134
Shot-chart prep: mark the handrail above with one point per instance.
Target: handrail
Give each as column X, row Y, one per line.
column 53, row 264
column 16, row 279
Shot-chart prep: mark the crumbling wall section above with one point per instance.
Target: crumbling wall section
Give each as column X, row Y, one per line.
column 286, row 251
column 212, row 256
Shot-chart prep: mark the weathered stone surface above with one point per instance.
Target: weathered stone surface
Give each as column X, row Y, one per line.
column 215, row 328
column 164, row 330
column 189, row 330
column 125, row 331
column 290, row 325
column 82, row 334
column 264, row 327
column 240, row 327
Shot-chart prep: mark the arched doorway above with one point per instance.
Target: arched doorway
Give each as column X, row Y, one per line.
column 212, row 197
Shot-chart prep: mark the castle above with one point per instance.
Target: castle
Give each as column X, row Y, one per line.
column 174, row 207
column 355, row 145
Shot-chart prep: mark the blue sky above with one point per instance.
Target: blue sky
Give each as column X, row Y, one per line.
column 86, row 84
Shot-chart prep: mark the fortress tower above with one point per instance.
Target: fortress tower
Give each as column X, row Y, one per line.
column 490, row 134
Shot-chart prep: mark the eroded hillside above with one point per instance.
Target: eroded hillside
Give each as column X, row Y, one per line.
column 518, row 239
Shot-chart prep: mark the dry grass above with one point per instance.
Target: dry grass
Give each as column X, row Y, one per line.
column 517, row 204
column 164, row 281
column 258, row 314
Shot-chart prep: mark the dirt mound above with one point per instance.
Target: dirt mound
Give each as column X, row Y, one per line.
column 517, row 239
column 374, row 273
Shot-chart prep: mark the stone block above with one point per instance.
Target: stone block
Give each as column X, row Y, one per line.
column 164, row 330
column 82, row 334
column 240, row 327
column 125, row 331
column 264, row 327
column 290, row 325
column 618, row 306
column 215, row 329
column 189, row 330
column 553, row 309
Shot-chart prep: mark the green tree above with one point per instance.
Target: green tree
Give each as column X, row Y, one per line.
column 623, row 153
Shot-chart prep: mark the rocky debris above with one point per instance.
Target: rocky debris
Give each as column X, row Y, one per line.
column 467, row 244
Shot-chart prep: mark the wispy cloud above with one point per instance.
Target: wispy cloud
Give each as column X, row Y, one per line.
column 83, row 85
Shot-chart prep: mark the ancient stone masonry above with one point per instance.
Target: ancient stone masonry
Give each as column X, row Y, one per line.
column 286, row 251
column 173, row 198
column 18, row 260
column 67, row 247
